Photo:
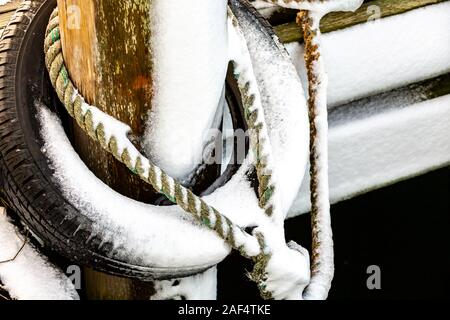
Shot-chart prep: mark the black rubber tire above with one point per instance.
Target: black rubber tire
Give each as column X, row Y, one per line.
column 4, row 296
column 27, row 182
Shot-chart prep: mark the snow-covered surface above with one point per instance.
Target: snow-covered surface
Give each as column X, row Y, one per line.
column 202, row 286
column 261, row 4
column 189, row 47
column 30, row 276
column 264, row 8
column 384, row 54
column 376, row 144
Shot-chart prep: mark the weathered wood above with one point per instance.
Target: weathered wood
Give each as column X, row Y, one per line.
column 109, row 60
column 106, row 287
column 291, row 32
column 105, row 45
column 433, row 88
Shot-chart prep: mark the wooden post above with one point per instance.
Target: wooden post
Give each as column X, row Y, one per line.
column 106, row 48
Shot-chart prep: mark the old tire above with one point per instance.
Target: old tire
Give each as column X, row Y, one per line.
column 27, row 182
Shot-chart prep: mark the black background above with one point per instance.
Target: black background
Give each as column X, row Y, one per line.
column 404, row 229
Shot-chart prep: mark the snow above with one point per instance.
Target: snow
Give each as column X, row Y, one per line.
column 264, row 8
column 202, row 286
column 261, row 4
column 189, row 45
column 288, row 272
column 372, row 144
column 402, row 51
column 3, row 2
column 30, row 276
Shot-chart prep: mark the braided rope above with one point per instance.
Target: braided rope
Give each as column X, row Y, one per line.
column 98, row 125
column 322, row 268
column 308, row 18
column 259, row 140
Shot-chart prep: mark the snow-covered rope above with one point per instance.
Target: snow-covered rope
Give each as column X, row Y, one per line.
column 267, row 243
column 113, row 137
column 322, row 242
column 311, row 12
column 255, row 118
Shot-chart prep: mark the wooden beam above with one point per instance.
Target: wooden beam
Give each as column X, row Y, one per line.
column 434, row 88
column 291, row 32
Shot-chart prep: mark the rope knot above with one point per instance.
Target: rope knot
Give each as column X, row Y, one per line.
column 284, row 273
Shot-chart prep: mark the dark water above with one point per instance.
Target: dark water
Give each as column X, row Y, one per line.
column 403, row 229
